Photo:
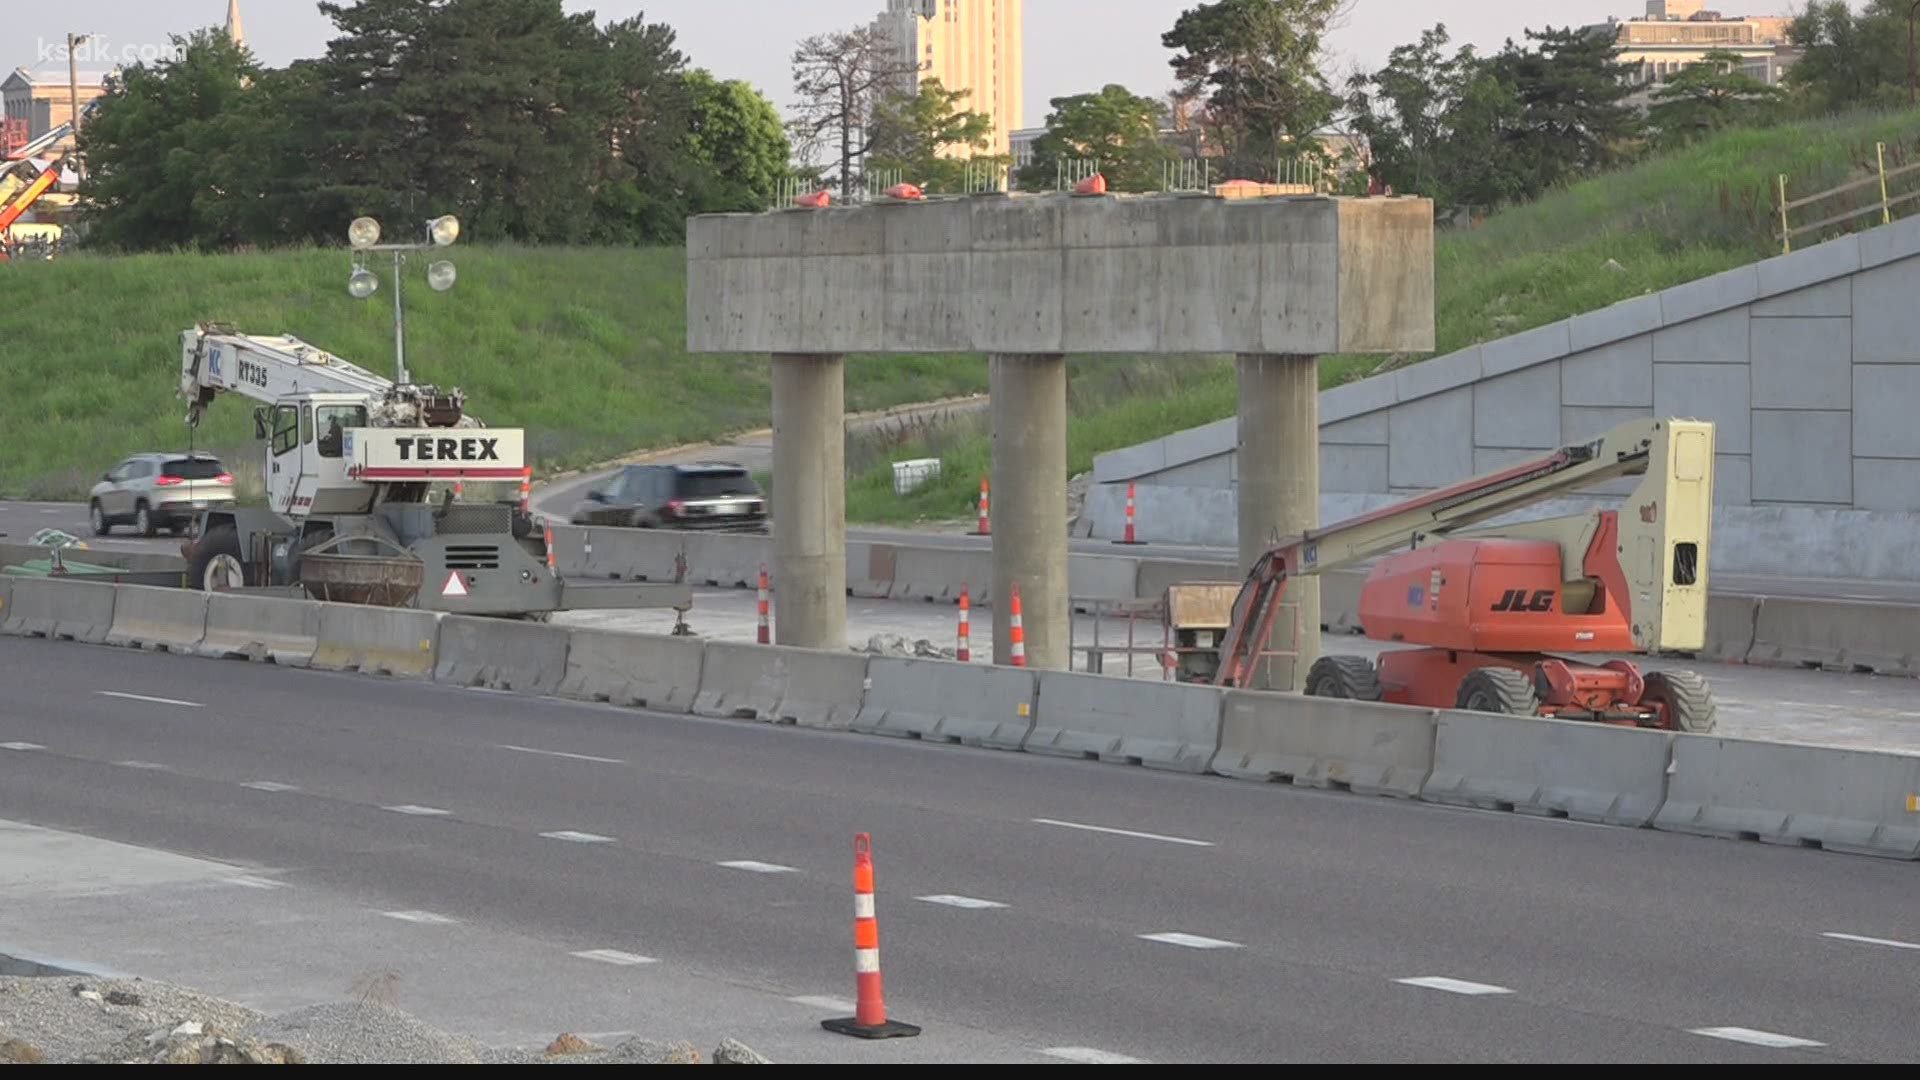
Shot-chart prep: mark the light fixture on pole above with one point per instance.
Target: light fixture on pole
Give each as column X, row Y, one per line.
column 364, row 236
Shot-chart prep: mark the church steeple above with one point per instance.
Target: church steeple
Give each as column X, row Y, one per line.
column 236, row 32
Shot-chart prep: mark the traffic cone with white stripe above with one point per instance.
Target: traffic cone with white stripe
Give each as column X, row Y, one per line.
column 1129, row 536
column 1016, row 632
column 985, row 528
column 963, row 650
column 765, row 634
column 869, row 1019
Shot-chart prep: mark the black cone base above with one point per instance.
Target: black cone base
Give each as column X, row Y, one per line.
column 891, row 1029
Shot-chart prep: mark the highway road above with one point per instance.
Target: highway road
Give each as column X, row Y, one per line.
column 1141, row 915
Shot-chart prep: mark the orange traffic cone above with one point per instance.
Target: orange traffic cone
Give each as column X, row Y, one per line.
column 963, row 651
column 869, row 1020
column 765, row 636
column 1129, row 536
column 1016, row 632
column 986, row 521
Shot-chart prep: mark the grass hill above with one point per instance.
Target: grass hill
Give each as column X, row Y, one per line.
column 585, row 347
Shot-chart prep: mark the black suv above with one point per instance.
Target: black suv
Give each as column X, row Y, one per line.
column 702, row 496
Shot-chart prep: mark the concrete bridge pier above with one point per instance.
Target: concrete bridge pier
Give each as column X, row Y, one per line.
column 1029, row 404
column 809, row 501
column 1278, row 478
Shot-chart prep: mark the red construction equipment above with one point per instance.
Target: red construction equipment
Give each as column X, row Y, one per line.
column 869, row 1019
column 1492, row 606
column 24, row 201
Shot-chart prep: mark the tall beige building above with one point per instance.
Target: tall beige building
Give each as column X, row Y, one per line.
column 971, row 45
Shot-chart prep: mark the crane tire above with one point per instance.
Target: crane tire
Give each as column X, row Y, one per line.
column 1350, row 677
column 1684, row 699
column 1498, row 690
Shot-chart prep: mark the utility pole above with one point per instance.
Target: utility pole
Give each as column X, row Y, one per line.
column 74, row 41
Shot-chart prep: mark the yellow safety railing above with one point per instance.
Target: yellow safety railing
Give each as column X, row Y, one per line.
column 1882, row 178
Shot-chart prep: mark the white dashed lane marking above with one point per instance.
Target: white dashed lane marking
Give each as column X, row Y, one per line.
column 21, row 746
column 758, row 867
column 563, row 754
column 269, row 785
column 1191, row 941
column 960, row 901
column 417, row 917
column 1756, row 1038
column 1453, row 986
column 416, row 811
column 615, row 956
column 1888, row 942
column 1087, row 1055
column 578, row 837
column 152, row 700
column 150, row 766
column 827, row 1004
column 1123, row 832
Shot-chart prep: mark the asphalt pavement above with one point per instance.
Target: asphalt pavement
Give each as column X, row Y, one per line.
column 1142, row 915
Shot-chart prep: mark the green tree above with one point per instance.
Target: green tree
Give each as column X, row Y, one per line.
column 736, row 141
column 1709, row 96
column 841, row 78
column 1850, row 59
column 1439, row 125
column 1572, row 94
column 1258, row 63
column 155, row 144
column 1116, row 127
column 930, row 138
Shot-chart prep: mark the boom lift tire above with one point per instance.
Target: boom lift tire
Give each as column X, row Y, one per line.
column 221, row 543
column 1350, row 677
column 1683, row 698
column 1498, row 690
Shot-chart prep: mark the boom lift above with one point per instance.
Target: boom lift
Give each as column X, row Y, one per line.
column 351, row 460
column 1492, row 607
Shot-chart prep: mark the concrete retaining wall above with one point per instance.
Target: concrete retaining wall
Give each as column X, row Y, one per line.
column 1808, row 364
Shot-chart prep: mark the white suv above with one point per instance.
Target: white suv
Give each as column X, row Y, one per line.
column 155, row 491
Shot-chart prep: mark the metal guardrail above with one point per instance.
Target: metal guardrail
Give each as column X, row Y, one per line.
column 1882, row 178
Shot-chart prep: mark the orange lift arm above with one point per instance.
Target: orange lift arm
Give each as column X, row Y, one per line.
column 27, row 198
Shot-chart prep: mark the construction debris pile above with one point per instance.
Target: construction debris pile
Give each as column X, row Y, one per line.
column 74, row 1020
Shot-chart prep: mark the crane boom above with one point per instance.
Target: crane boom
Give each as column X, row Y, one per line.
column 1674, row 455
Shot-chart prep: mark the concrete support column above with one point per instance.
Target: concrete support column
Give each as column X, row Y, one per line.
column 1278, row 480
column 809, row 501
column 1030, row 506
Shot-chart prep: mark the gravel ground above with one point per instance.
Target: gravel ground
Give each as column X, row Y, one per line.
column 82, row 1020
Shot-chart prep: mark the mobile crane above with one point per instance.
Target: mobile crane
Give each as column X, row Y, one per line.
column 351, row 460
column 1492, row 607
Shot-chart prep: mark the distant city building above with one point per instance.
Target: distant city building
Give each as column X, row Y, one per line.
column 35, row 101
column 971, row 45
column 1676, row 34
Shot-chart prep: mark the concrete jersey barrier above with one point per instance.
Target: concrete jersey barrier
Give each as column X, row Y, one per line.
column 1360, row 746
column 164, row 620
column 781, row 685
column 1560, row 768
column 642, row 671
column 1860, row 801
column 376, row 640
column 261, row 628
column 634, row 554
column 943, row 701
column 500, row 654
column 1731, row 623
column 1163, row 725
column 61, row 610
column 1844, row 634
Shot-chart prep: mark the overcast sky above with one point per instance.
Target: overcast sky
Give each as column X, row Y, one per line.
column 1072, row 45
